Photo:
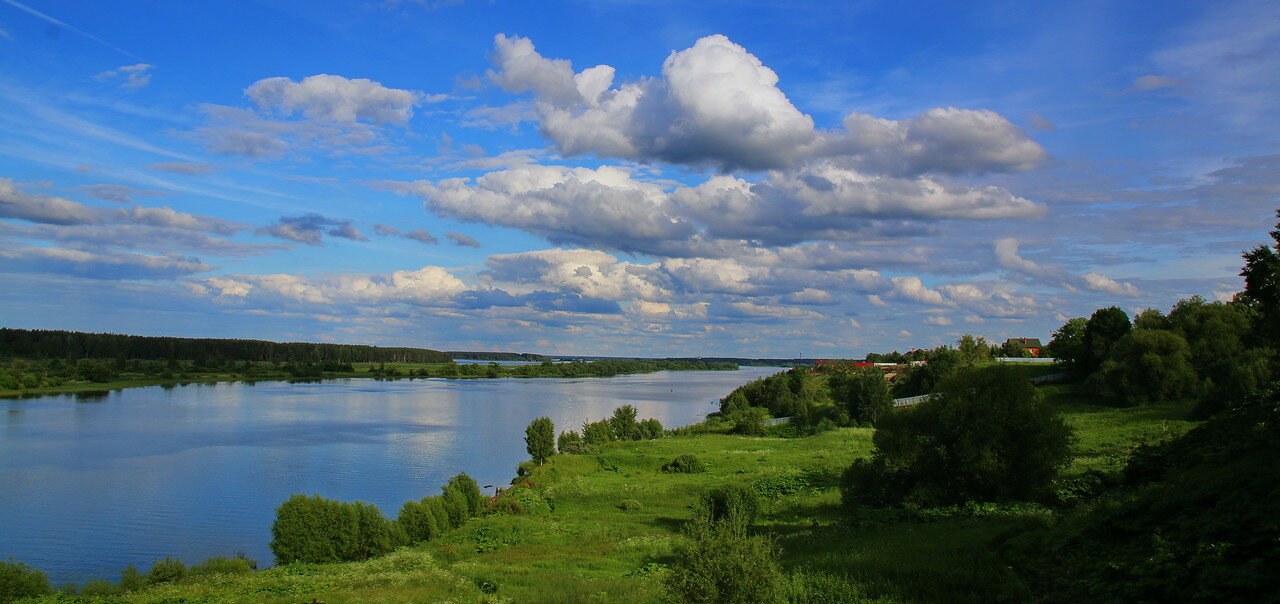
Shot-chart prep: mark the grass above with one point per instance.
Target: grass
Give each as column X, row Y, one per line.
column 590, row 547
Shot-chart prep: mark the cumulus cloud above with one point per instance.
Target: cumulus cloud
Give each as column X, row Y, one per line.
column 129, row 76
column 310, row 228
column 1008, row 257
column 430, row 285
column 936, row 320
column 718, row 105
column 609, row 207
column 335, row 99
column 325, row 112
column 98, row 265
column 16, row 203
column 462, row 240
column 590, row 273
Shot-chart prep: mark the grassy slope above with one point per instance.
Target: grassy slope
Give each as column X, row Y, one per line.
column 590, row 549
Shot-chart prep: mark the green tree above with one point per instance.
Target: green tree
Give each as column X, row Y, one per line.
column 719, row 564
column 1067, row 344
column 597, row 433
column 131, row 579
column 470, row 491
column 18, row 581
column 1151, row 318
column 1105, row 328
column 984, row 436
column 1146, row 365
column 1261, row 274
column 624, row 423
column 455, row 506
column 540, row 439
column 867, row 396
column 417, row 522
column 166, row 571
column 571, row 442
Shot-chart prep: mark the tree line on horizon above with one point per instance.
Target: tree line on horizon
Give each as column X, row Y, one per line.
column 73, row 345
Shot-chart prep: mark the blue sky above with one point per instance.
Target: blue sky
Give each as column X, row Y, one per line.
column 630, row 176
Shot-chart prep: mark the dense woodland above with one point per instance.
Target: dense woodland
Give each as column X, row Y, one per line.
column 74, row 345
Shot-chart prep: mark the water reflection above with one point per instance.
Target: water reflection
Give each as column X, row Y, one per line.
column 197, row 471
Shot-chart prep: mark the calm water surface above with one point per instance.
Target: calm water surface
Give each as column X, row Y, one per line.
column 89, row 484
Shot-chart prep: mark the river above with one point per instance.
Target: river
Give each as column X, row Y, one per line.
column 91, row 483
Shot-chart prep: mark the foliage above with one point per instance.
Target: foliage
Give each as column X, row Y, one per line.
column 470, row 491
column 985, row 436
column 1196, row 522
column 318, row 530
column 1261, row 274
column 1067, row 344
column 571, row 443
column 456, row 507
column 791, row 393
column 650, row 429
column 685, row 464
column 749, row 421
column 723, row 565
column 417, row 522
column 131, row 579
column 1105, row 328
column 597, row 433
column 730, row 504
column 624, row 424
column 166, row 571
column 17, row 580
column 540, row 439
column 1145, row 366
column 223, row 566
column 866, row 397
column 629, row 505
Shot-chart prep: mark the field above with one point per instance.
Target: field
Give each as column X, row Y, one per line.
column 604, row 526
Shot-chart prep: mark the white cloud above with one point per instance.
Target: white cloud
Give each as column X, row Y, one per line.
column 429, row 285
column 462, row 240
column 310, row 228
column 937, row 320
column 335, row 99
column 716, row 104
column 135, row 76
column 98, row 265
column 46, row 209
column 1008, row 257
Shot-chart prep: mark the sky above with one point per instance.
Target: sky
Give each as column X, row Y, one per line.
column 628, row 177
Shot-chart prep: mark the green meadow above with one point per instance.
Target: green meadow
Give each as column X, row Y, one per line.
column 602, row 527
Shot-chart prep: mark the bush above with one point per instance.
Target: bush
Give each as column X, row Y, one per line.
column 224, row 566
column 749, row 421
column 629, row 505
column 571, row 443
column 100, row 587
column 506, row 505
column 650, row 429
column 1146, row 366
column 866, row 397
column 470, row 491
column 456, row 507
column 17, row 580
column 318, row 530
column 1197, row 522
column 724, row 565
column 597, row 433
column 131, row 579
column 985, row 436
column 434, row 507
column 623, row 423
column 730, row 504
column 417, row 522
column 685, row 464
column 166, row 571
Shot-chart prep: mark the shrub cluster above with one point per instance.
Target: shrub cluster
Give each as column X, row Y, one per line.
column 721, row 562
column 685, row 464
column 984, row 436
column 17, row 580
column 317, row 530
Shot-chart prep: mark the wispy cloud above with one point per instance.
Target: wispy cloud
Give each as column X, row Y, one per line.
column 39, row 15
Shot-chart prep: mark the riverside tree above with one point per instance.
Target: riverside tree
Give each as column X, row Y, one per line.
column 540, row 439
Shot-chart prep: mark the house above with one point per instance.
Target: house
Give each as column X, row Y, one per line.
column 1031, row 345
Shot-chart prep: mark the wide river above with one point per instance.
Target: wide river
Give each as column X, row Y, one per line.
column 89, row 484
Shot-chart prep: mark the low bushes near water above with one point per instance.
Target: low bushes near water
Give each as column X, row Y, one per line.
column 721, row 562
column 166, row 571
column 17, row 580
column 685, row 464
column 318, row 530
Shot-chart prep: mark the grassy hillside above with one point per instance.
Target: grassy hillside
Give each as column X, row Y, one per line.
column 604, row 526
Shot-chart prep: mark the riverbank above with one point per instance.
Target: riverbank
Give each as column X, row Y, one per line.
column 261, row 372
column 604, row 526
